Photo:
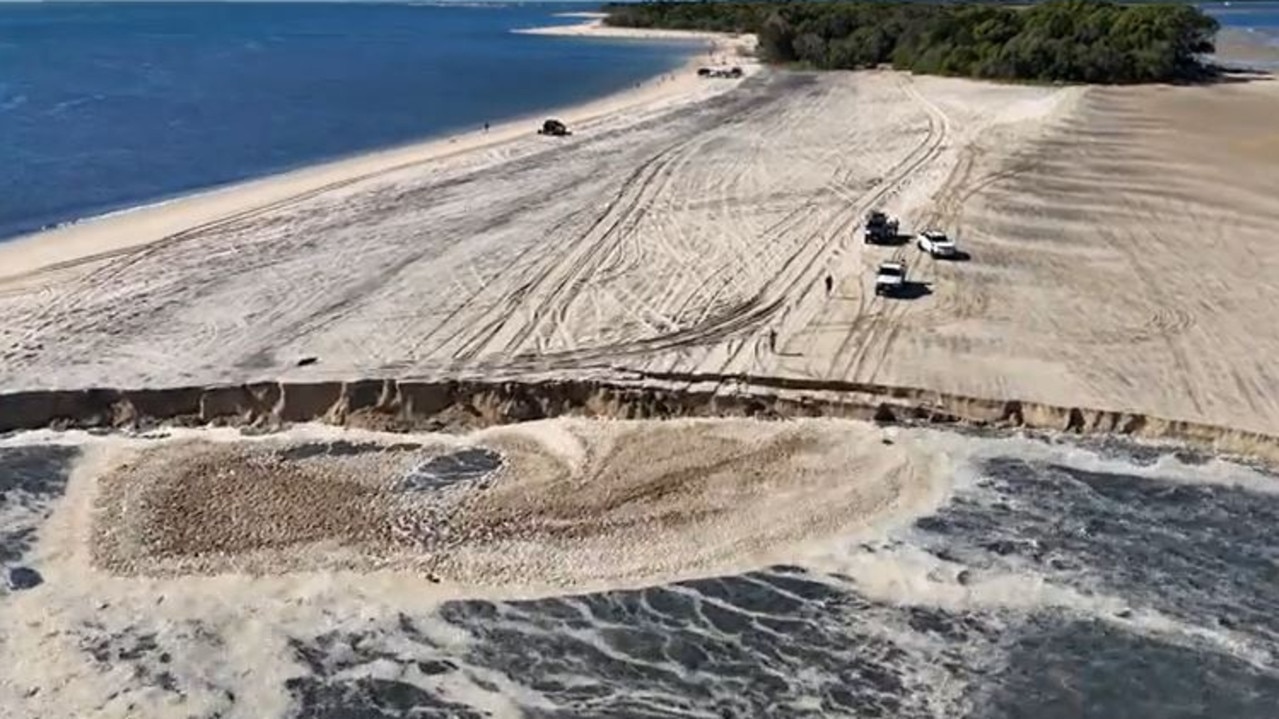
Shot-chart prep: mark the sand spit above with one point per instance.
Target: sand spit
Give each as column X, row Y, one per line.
column 825, row 567
column 1118, row 240
column 679, row 229
column 594, row 27
column 459, row 405
column 567, row 503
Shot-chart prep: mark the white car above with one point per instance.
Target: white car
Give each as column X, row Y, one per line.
column 890, row 278
column 936, row 243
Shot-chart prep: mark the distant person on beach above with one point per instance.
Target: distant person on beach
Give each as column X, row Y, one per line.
column 830, row 284
column 772, row 341
column 486, row 127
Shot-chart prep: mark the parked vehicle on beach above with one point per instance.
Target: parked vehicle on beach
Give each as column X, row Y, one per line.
column 554, row 128
column 879, row 228
column 936, row 244
column 890, row 278
column 731, row 73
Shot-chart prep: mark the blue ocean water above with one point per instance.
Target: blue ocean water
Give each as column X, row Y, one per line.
column 1258, row 17
column 104, row 106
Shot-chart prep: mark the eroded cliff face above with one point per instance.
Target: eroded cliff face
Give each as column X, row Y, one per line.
column 409, row 405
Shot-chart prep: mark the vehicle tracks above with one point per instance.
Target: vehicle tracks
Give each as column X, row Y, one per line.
column 876, row 319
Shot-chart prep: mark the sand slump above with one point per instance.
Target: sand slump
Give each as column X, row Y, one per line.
column 1143, row 573
column 561, row 503
column 207, row 507
column 454, row 405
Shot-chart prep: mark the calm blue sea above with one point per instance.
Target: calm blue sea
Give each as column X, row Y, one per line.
column 1258, row 17
column 104, row 106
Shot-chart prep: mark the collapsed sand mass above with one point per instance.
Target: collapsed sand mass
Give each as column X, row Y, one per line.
column 561, row 502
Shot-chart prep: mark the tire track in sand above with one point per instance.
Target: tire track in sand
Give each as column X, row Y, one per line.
column 562, row 276
column 877, row 320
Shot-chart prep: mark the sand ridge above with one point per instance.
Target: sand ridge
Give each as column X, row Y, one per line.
column 593, row 27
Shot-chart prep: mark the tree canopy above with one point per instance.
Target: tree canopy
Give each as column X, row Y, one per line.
column 1059, row 40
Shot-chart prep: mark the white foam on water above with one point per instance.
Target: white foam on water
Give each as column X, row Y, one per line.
column 235, row 631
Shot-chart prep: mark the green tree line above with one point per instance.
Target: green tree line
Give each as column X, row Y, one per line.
column 1059, row 40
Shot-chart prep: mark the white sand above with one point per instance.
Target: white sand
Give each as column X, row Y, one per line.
column 594, row 27
column 1120, row 245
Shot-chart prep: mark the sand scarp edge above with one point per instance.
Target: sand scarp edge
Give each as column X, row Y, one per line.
column 458, row 405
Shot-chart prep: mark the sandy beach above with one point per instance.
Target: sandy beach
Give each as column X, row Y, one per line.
column 353, row 535
column 593, row 27
column 1246, row 49
column 95, row 239
column 686, row 221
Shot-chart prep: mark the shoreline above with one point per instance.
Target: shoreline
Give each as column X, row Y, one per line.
column 1247, row 49
column 715, row 237
column 117, row 231
column 594, row 27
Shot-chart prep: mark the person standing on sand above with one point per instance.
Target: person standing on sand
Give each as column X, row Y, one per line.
column 830, row 284
column 772, row 341
column 486, row 127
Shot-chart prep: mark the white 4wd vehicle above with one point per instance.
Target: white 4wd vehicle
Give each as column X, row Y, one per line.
column 936, row 243
column 890, row 278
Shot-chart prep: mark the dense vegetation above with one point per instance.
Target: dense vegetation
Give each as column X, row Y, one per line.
column 1058, row 40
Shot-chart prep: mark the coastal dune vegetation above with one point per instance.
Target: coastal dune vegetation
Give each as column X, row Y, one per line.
column 1089, row 41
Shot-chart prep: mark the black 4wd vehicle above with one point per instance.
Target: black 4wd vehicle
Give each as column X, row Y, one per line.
column 554, row 128
column 879, row 228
